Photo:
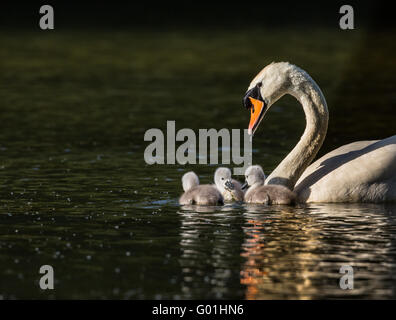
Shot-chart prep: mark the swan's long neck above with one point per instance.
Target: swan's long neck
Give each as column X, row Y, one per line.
column 308, row 93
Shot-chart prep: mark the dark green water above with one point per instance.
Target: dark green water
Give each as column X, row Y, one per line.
column 75, row 192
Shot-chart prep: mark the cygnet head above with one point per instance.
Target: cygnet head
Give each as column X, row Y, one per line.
column 189, row 181
column 254, row 175
column 223, row 179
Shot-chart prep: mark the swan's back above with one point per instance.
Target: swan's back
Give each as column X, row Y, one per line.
column 363, row 171
column 270, row 194
column 202, row 195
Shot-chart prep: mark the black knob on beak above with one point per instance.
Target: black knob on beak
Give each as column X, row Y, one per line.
column 229, row 185
column 253, row 93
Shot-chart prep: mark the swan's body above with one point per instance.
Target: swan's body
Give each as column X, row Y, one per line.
column 363, row 171
column 194, row 193
column 261, row 194
column 230, row 189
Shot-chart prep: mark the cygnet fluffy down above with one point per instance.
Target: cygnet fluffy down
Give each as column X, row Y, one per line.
column 194, row 193
column 265, row 194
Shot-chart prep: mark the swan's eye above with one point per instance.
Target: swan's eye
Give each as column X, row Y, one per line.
column 222, row 178
column 259, row 84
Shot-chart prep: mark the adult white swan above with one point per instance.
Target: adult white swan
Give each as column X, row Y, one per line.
column 363, row 171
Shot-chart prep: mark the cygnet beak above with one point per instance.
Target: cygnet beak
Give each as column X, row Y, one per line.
column 245, row 186
column 229, row 185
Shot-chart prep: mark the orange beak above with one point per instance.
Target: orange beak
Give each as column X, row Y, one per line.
column 255, row 115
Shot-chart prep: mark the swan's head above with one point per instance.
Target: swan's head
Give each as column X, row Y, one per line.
column 254, row 175
column 223, row 180
column 189, row 181
column 266, row 88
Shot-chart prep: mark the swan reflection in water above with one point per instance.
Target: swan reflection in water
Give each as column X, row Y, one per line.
column 279, row 248
column 288, row 252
